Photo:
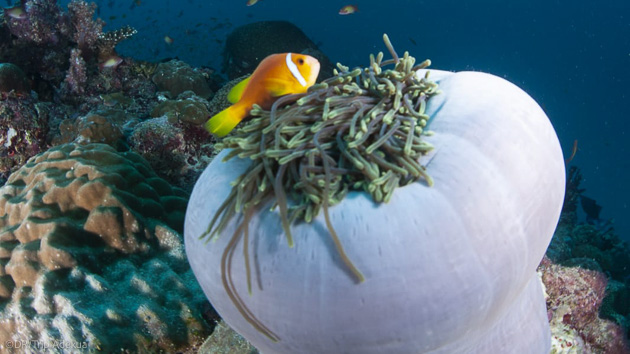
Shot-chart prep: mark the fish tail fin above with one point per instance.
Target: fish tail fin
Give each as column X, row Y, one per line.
column 223, row 122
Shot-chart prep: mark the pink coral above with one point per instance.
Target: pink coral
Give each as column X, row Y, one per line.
column 23, row 130
column 86, row 29
column 575, row 295
column 76, row 76
column 41, row 24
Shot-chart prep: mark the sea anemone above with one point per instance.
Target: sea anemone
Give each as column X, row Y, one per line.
column 432, row 235
column 359, row 130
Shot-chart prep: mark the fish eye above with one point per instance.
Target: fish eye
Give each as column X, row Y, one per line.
column 300, row 61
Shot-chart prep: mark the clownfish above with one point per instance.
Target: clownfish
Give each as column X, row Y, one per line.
column 276, row 75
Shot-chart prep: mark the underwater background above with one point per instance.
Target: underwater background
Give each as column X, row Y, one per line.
column 572, row 57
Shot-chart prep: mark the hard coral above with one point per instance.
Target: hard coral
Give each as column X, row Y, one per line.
column 91, row 254
column 99, row 126
column 175, row 77
column 188, row 108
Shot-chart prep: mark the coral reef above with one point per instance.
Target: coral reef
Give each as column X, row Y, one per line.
column 103, row 126
column 247, row 45
column 188, row 108
column 106, row 44
column 76, row 76
column 86, row 29
column 91, row 254
column 46, row 41
column 178, row 152
column 175, row 77
column 23, row 131
column 12, row 78
column 587, row 277
column 574, row 297
column 43, row 23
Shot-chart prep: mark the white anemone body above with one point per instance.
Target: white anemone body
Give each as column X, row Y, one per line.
column 449, row 268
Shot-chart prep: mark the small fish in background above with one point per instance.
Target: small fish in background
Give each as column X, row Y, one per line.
column 276, row 75
column 168, row 40
column 16, row 12
column 251, row 2
column 348, row 9
column 110, row 63
column 591, row 209
column 413, row 41
column 135, row 3
column 573, row 152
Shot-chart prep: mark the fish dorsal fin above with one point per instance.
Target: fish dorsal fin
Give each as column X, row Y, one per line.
column 236, row 92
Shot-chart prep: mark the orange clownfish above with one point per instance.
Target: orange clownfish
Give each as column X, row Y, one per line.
column 277, row 75
column 348, row 9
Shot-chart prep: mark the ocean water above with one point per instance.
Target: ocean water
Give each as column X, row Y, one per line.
column 571, row 56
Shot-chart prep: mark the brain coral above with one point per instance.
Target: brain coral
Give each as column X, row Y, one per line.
column 90, row 255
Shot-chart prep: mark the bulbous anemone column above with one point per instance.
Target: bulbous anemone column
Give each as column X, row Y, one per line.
column 448, row 268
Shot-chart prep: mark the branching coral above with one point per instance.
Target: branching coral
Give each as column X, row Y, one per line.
column 87, row 30
column 107, row 42
column 76, row 75
column 361, row 129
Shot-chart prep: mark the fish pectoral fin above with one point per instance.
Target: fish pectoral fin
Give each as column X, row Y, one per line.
column 278, row 87
column 223, row 122
column 236, row 92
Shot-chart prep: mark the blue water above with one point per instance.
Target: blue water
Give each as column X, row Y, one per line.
column 573, row 57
